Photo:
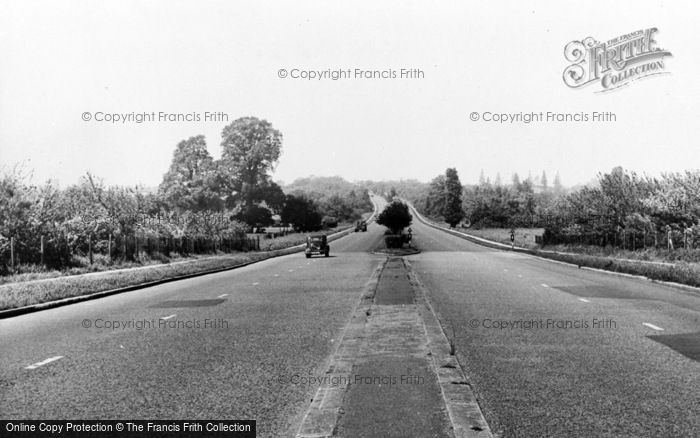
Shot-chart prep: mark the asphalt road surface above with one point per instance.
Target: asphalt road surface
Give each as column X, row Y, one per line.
column 270, row 327
column 553, row 350
column 245, row 344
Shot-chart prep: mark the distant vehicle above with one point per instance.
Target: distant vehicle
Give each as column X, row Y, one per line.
column 317, row 245
column 361, row 226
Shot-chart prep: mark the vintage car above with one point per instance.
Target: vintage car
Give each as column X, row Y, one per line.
column 361, row 226
column 317, row 245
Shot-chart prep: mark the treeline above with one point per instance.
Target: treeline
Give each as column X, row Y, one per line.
column 621, row 209
column 201, row 204
column 333, row 199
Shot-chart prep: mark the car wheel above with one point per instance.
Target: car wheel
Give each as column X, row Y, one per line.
column 308, row 256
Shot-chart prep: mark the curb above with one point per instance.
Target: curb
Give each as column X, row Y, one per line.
column 542, row 255
column 457, row 393
column 9, row 313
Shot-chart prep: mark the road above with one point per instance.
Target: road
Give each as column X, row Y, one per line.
column 275, row 323
column 602, row 376
column 269, row 322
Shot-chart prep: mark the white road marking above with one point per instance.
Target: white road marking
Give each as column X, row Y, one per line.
column 222, row 296
column 584, row 300
column 165, row 318
column 291, row 270
column 653, row 327
column 43, row 362
column 544, row 285
column 520, row 276
column 256, row 283
column 277, row 275
column 505, row 270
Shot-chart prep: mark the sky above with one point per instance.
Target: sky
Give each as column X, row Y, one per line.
column 63, row 61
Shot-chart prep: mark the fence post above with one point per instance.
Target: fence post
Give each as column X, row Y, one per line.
column 12, row 252
column 109, row 248
column 42, row 251
column 90, row 247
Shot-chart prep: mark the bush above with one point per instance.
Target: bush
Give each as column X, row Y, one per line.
column 395, row 217
column 330, row 221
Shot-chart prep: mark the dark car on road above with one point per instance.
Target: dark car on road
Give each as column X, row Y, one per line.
column 361, row 226
column 317, row 244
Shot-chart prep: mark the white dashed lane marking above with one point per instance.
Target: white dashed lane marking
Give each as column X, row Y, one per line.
column 256, row 283
column 222, row 296
column 277, row 275
column 584, row 300
column 165, row 318
column 42, row 363
column 653, row 327
column 544, row 285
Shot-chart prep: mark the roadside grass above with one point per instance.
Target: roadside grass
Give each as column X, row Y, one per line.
column 27, row 293
column 679, row 266
column 680, row 272
column 524, row 237
column 41, row 286
column 31, row 272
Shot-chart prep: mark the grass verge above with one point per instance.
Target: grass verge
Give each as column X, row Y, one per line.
column 27, row 293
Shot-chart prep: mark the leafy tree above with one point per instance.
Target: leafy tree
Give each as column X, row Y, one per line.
column 302, row 213
column 250, row 150
column 256, row 215
column 452, row 211
column 192, row 181
column 395, row 217
column 516, row 182
column 436, row 201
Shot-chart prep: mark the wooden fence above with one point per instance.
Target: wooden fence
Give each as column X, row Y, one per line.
column 57, row 251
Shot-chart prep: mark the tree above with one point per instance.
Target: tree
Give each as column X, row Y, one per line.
column 255, row 215
column 395, row 217
column 436, row 199
column 302, row 213
column 191, row 181
column 558, row 188
column 544, row 182
column 391, row 195
column 250, row 149
column 453, row 212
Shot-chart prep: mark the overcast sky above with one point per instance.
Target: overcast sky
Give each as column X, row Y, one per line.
column 60, row 59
